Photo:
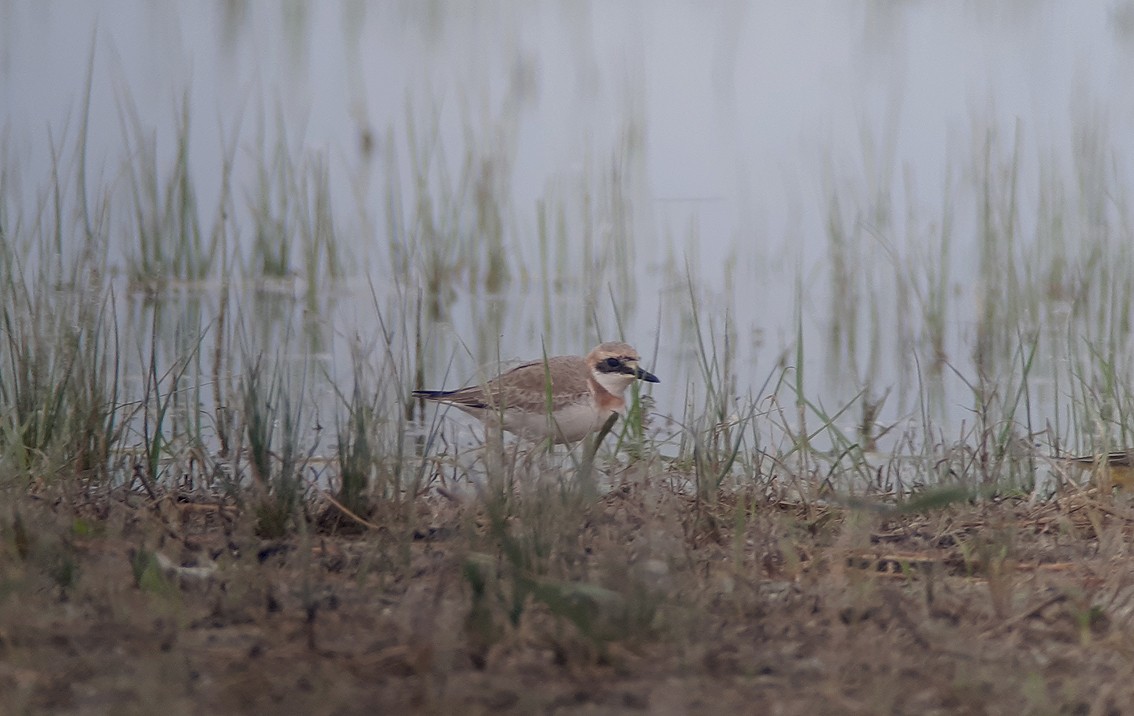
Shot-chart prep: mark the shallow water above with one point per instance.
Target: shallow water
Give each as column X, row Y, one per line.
column 912, row 190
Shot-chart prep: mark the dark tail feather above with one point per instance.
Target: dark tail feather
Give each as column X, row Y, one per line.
column 433, row 394
column 449, row 396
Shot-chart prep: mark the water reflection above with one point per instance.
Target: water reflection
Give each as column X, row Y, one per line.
column 888, row 198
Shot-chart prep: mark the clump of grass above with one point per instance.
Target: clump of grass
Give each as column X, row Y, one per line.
column 382, row 468
column 294, row 218
column 171, row 245
column 164, row 436
column 356, row 456
column 533, row 570
column 272, row 210
column 716, row 435
column 459, row 219
column 317, row 231
column 99, row 419
column 272, row 424
column 60, row 412
column 147, row 573
column 33, row 394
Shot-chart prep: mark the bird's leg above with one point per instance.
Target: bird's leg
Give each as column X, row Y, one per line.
column 586, row 466
column 494, row 458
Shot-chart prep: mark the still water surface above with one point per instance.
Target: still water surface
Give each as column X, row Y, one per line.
column 797, row 170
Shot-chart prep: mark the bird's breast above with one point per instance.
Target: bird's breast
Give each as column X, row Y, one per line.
column 569, row 423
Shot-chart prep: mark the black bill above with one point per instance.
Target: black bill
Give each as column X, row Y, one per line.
column 645, row 375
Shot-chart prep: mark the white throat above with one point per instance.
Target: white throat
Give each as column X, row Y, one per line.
column 613, row 383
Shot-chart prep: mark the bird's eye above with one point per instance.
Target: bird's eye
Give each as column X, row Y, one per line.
column 613, row 362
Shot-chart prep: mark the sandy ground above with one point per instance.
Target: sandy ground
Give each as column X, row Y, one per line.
column 645, row 602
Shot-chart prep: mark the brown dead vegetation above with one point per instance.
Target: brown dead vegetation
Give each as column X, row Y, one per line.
column 645, row 600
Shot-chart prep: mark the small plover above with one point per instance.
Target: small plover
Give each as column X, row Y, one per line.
column 1113, row 468
column 564, row 398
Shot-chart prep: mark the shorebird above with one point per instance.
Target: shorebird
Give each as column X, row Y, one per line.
column 1113, row 468
column 563, row 399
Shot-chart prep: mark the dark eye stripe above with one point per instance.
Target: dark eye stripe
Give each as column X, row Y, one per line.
column 610, row 365
column 616, row 364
